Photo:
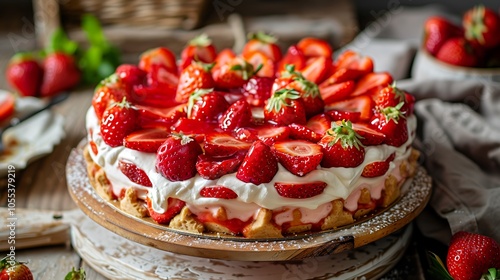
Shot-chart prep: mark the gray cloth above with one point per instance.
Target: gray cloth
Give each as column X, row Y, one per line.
column 459, row 135
column 459, row 128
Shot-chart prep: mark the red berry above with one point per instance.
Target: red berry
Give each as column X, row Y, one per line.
column 60, row 72
column 306, row 190
column 134, row 173
column 257, row 90
column 118, row 121
column 259, row 165
column 214, row 167
column 285, row 107
column 174, row 206
column 194, row 77
column 24, row 74
column 239, row 114
column 146, row 140
column 131, row 74
column 458, row 51
column 206, row 105
column 298, row 156
column 218, row 192
column 342, row 147
column 223, row 144
column 176, row 157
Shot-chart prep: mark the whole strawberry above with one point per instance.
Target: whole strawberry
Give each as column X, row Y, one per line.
column 438, row 30
column 176, row 158
column 341, row 146
column 285, row 107
column 458, row 51
column 470, row 255
column 25, row 74
column 482, row 26
column 259, row 165
column 60, row 73
column 206, row 105
column 119, row 120
column 195, row 76
column 13, row 270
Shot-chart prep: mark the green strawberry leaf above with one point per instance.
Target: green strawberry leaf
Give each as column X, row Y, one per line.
column 60, row 42
column 437, row 269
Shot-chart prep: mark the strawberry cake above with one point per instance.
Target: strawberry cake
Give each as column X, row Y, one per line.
column 257, row 144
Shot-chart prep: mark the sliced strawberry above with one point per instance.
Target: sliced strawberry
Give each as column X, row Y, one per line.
column 214, row 167
column 196, row 128
column 153, row 117
column 319, row 124
column 369, row 136
column 378, row 168
column 233, row 73
column 389, row 96
column 176, row 157
column 222, row 144
column 302, row 132
column 293, row 56
column 298, row 156
column 257, row 90
column 271, row 134
column 239, row 114
column 264, row 43
column 218, row 192
column 147, row 140
column 343, row 75
column 339, row 115
column 315, row 47
column 134, row 173
column 372, row 82
column 337, row 92
column 161, row 76
column 234, row 225
column 263, row 65
column 158, row 56
column 174, row 206
column 224, row 56
column 157, row 95
column 259, row 165
column 7, row 105
column 354, row 60
column 309, row 94
column 317, row 69
column 306, row 190
column 362, row 104
column 198, row 49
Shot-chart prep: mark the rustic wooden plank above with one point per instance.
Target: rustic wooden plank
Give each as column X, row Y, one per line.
column 50, row 263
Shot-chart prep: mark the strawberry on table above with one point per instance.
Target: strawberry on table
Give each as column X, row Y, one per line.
column 118, row 120
column 314, row 47
column 60, row 72
column 298, row 156
column 438, row 30
column 342, row 146
column 146, row 140
column 7, row 105
column 206, row 105
column 195, row 76
column 218, row 192
column 305, row 190
column 285, row 107
column 174, row 206
column 458, row 51
column 259, row 165
column 482, row 26
column 176, row 157
column 134, row 173
column 198, row 49
column 14, row 270
column 264, row 43
column 25, row 74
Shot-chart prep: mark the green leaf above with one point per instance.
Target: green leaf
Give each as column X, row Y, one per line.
column 60, row 42
column 93, row 30
column 437, row 269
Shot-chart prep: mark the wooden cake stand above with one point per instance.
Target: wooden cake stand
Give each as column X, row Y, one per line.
column 144, row 231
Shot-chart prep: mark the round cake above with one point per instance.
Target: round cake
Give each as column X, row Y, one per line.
column 257, row 144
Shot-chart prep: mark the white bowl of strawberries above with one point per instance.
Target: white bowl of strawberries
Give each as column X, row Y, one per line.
column 467, row 51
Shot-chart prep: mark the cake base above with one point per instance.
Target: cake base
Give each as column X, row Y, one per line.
column 299, row 247
column 118, row 258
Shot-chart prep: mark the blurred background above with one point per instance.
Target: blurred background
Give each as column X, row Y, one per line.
column 135, row 26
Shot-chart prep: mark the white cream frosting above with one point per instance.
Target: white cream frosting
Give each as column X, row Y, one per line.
column 343, row 183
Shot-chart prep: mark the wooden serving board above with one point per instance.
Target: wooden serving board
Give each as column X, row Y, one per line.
column 229, row 248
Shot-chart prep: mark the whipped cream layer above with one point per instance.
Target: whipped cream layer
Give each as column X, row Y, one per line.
column 342, row 183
